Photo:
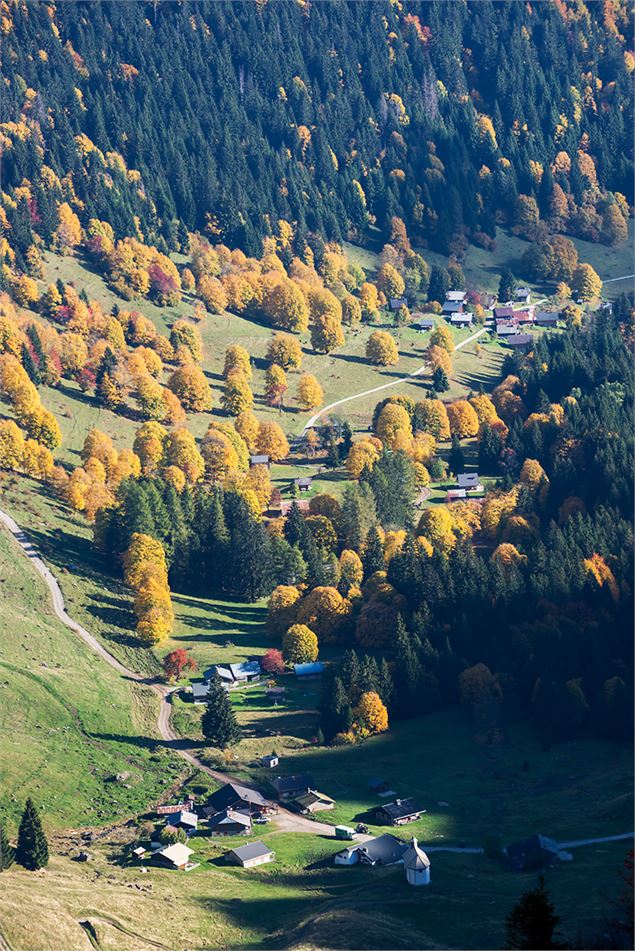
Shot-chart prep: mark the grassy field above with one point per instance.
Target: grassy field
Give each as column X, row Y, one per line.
column 68, row 725
column 302, row 901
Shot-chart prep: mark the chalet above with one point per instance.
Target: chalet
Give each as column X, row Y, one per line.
column 309, row 670
column 173, row 856
column 312, row 801
column 260, row 460
column 378, row 786
column 460, row 296
column 416, row 864
column 532, row 853
column 304, row 483
column 233, row 675
column 230, row 822
column 423, row 324
column 200, row 691
column 398, row 812
column 468, row 480
column 462, row 320
column 269, row 762
column 255, row 853
column 237, row 797
column 396, row 302
column 453, row 495
column 525, row 316
column 503, row 313
column 386, row 849
column 547, row 318
column 452, row 307
column 522, row 295
column 520, row 341
column 184, row 820
column 290, row 787
column 139, row 852
column 505, row 328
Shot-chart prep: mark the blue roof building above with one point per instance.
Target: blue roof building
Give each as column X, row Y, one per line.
column 308, row 670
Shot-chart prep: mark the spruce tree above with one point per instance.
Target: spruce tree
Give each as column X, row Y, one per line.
column 440, row 382
column 507, row 286
column 29, row 365
column 219, row 725
column 456, row 457
column 32, row 851
column 373, row 556
column 7, row 853
column 532, row 922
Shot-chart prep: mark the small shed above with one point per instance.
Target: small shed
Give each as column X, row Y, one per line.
column 173, row 856
column 506, row 328
column 522, row 295
column 269, row 762
column 308, row 670
column 312, row 801
column 416, row 864
column 200, row 692
column 304, row 483
column 260, row 460
column 139, row 852
column 255, row 853
column 423, row 324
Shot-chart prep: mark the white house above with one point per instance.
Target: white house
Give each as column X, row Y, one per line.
column 174, row 856
column 456, row 296
column 416, row 864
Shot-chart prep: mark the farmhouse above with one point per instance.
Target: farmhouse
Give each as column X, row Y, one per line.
column 256, row 853
column 547, row 318
column 462, row 320
column 173, row 856
column 260, row 460
column 522, row 295
column 290, row 787
column 456, row 296
column 233, row 675
column 399, row 812
column 468, row 480
column 312, row 801
column 503, row 313
column 184, row 820
column 304, row 483
column 520, row 341
column 416, row 864
column 386, row 849
column 200, row 690
column 423, row 324
column 526, row 316
column 230, row 822
column 236, row 797
column 506, row 328
column 452, row 307
column 532, row 853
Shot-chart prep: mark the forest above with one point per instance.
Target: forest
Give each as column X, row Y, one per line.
column 452, row 119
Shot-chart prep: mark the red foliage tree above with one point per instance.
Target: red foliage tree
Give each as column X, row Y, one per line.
column 273, row 662
column 176, row 662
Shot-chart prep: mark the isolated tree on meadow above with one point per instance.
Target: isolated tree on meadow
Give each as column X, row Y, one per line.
column 532, row 922
column 32, row 850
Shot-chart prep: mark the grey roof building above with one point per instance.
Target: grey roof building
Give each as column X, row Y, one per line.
column 255, row 853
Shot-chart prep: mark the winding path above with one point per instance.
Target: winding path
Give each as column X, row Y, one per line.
column 285, row 820
column 384, row 386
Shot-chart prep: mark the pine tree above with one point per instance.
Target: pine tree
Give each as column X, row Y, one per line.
column 7, row 853
column 32, row 851
column 507, row 286
column 373, row 557
column 532, row 922
column 456, row 458
column 29, row 365
column 219, row 725
column 440, row 382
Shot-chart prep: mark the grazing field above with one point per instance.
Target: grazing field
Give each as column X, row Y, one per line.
column 300, row 901
column 68, row 724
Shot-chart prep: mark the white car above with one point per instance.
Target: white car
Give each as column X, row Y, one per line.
column 261, row 820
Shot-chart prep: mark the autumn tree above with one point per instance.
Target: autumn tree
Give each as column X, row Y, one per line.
column 272, row 661
column 390, row 282
column 190, row 385
column 285, row 350
column 381, row 349
column 299, row 645
column 310, row 393
column 370, row 714
column 236, row 397
column 272, row 442
column 441, row 336
column 326, row 333
column 586, row 283
column 614, row 226
column 176, row 663
column 238, row 359
column 282, row 608
column 275, row 385
column 463, row 419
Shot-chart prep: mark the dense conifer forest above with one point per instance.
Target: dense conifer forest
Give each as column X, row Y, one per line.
column 166, row 117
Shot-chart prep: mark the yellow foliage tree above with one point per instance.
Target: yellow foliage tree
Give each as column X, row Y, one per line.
column 381, row 349
column 437, row 526
column 370, row 714
column 237, row 358
column 190, row 385
column 285, row 350
column 310, row 393
column 393, row 420
column 299, row 645
column 68, row 233
column 282, row 608
column 463, row 419
column 248, row 427
column 361, row 454
column 237, row 397
column 272, row 441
